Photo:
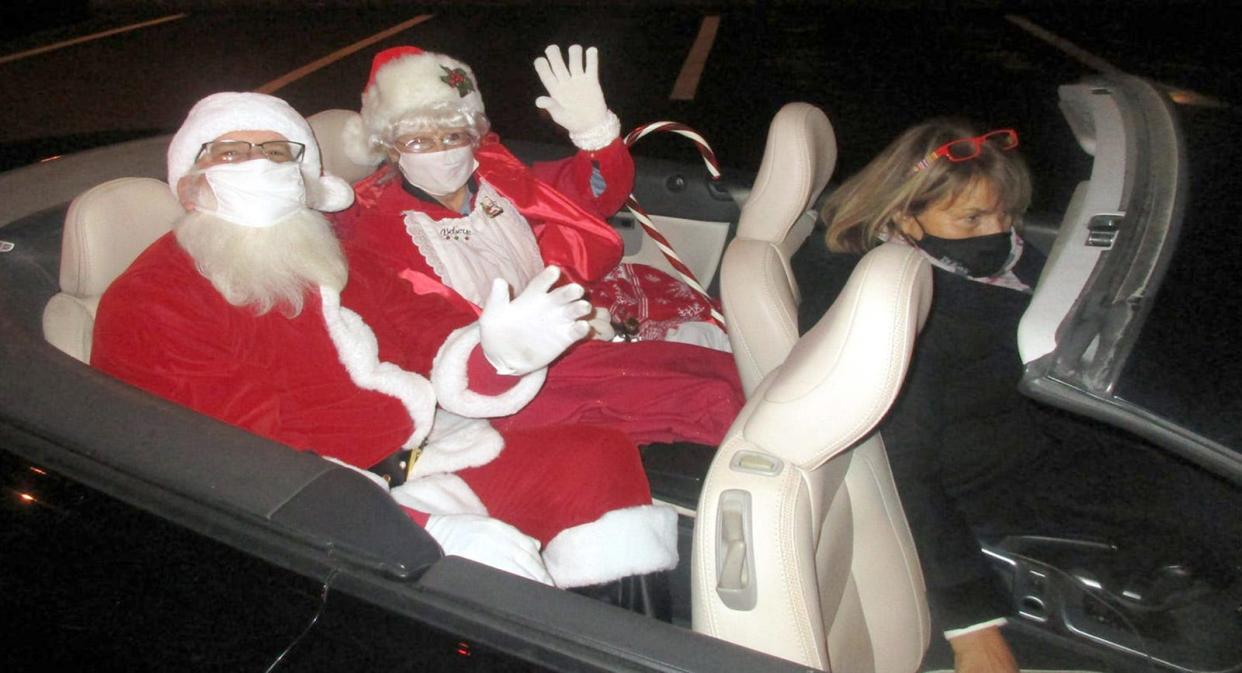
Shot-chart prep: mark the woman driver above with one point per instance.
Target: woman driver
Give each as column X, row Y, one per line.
column 954, row 194
column 965, row 446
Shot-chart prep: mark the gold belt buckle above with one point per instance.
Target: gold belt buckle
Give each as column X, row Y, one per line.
column 415, row 454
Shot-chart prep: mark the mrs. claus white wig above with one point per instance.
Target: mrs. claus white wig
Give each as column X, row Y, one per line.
column 410, row 89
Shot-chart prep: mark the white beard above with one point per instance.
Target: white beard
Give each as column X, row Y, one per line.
column 265, row 267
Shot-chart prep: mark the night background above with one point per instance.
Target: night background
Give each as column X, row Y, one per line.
column 874, row 67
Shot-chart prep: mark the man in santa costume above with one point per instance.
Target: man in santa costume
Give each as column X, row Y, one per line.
column 252, row 312
column 450, row 210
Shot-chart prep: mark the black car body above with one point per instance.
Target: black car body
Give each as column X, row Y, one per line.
column 140, row 535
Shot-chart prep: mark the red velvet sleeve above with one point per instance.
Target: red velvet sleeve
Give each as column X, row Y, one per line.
column 412, row 326
column 572, row 177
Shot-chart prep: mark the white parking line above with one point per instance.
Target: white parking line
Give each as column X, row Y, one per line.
column 88, row 38
column 1177, row 94
column 1065, row 46
column 692, row 69
column 287, row 79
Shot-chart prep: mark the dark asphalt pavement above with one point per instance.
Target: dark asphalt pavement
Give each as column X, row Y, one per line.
column 875, row 71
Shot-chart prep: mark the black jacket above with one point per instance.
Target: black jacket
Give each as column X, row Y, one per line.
column 973, row 458
column 959, row 426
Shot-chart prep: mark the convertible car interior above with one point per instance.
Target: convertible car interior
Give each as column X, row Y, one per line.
column 805, row 513
column 795, row 550
column 854, row 532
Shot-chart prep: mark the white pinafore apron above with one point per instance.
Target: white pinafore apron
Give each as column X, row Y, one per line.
column 493, row 241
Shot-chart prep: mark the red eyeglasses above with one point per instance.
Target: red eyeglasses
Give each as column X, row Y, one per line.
column 965, row 149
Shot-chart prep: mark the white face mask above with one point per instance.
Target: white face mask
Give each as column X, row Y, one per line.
column 256, row 193
column 439, row 173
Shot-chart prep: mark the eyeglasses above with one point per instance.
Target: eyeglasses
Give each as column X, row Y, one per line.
column 966, row 149
column 237, row 151
column 419, row 143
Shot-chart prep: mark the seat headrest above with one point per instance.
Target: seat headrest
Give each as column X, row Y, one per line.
column 107, row 227
column 843, row 375
column 798, row 161
column 328, row 126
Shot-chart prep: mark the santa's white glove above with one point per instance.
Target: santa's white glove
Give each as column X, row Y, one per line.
column 527, row 333
column 601, row 324
column 575, row 99
column 491, row 542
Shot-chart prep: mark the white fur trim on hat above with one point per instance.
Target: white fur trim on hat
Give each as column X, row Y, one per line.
column 450, row 378
column 623, row 542
column 358, row 145
column 402, row 85
column 221, row 113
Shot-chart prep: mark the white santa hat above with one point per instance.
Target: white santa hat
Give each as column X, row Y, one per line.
column 405, row 80
column 221, row 113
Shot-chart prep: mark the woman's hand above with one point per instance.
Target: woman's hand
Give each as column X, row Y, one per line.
column 982, row 651
column 575, row 99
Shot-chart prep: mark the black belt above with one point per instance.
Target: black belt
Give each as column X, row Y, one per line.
column 394, row 468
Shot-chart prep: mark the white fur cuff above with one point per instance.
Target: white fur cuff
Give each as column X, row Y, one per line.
column 954, row 633
column 623, row 542
column 439, row 494
column 451, row 380
column 456, row 443
column 599, row 136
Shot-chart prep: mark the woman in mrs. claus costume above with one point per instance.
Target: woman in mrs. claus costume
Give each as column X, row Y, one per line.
column 450, row 209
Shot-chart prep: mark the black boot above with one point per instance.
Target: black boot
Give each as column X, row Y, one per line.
column 645, row 594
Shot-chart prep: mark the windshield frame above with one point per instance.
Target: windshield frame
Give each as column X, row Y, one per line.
column 1094, row 341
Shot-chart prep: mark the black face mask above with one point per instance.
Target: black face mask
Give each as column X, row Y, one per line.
column 980, row 256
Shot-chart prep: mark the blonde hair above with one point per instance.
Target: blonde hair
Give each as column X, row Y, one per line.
column 863, row 211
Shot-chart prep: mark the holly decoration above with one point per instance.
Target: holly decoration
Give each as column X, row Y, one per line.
column 458, row 79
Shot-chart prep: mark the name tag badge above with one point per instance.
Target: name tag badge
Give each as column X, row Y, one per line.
column 456, row 233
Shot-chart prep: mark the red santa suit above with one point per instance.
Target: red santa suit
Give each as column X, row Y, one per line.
column 656, row 391
column 355, row 376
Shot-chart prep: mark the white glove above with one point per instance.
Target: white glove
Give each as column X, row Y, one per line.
column 575, row 99
column 491, row 542
column 527, row 333
column 601, row 324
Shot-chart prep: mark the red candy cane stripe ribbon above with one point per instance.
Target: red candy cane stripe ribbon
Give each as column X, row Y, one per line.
column 713, row 169
column 709, row 157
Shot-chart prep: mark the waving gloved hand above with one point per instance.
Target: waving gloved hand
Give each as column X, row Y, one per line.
column 527, row 333
column 575, row 99
column 491, row 542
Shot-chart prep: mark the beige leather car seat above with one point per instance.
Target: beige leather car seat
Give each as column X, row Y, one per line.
column 106, row 228
column 801, row 548
column 328, row 126
column 758, row 290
